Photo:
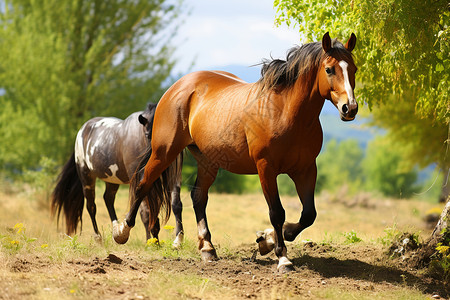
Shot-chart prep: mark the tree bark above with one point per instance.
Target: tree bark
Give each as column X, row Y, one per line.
column 445, row 186
column 443, row 223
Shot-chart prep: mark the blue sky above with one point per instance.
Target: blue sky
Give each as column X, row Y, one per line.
column 220, row 33
column 232, row 32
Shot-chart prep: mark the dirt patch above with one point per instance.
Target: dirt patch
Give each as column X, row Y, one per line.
column 354, row 269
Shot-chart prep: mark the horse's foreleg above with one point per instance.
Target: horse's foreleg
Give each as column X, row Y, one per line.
column 153, row 170
column 158, row 162
column 268, row 180
column 305, row 183
column 205, row 178
column 121, row 232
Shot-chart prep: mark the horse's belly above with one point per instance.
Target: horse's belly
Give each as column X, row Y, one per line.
column 230, row 155
column 111, row 175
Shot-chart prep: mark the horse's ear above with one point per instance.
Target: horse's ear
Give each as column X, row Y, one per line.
column 326, row 42
column 350, row 45
column 143, row 120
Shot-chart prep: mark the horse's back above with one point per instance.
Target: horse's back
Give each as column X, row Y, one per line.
column 96, row 151
column 204, row 109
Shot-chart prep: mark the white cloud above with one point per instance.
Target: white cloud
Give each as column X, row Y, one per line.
column 230, row 32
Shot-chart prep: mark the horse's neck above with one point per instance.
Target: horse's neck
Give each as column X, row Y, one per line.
column 304, row 100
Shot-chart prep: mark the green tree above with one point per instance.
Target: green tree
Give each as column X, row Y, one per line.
column 403, row 59
column 404, row 65
column 339, row 164
column 402, row 46
column 385, row 172
column 64, row 62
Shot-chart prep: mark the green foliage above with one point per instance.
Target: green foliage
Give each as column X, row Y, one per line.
column 285, row 185
column 42, row 180
column 440, row 260
column 393, row 236
column 64, row 62
column 339, row 164
column 227, row 182
column 405, row 47
column 402, row 54
column 351, row 237
column 16, row 239
column 385, row 173
column 420, row 138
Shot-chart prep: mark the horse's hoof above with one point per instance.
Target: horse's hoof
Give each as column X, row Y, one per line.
column 121, row 232
column 98, row 238
column 266, row 241
column 285, row 265
column 178, row 241
column 209, row 255
column 284, row 269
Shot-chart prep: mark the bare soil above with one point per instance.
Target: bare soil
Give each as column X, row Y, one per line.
column 360, row 271
column 325, row 265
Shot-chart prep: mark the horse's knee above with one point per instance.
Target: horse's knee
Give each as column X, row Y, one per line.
column 308, row 218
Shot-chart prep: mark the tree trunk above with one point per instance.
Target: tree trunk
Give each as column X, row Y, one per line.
column 429, row 248
column 445, row 186
column 443, row 223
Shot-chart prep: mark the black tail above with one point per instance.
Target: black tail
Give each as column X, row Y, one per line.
column 159, row 196
column 68, row 196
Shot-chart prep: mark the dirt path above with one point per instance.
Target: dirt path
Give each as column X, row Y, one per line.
column 322, row 271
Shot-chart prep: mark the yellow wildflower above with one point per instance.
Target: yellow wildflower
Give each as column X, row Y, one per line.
column 434, row 210
column 19, row 227
column 72, row 291
column 43, row 246
column 152, row 241
column 442, row 249
column 14, row 242
column 168, row 227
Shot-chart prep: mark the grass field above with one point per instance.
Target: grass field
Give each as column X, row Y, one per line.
column 341, row 256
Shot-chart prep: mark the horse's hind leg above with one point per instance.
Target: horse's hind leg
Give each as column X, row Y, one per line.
column 305, row 182
column 205, row 177
column 144, row 211
column 89, row 194
column 177, row 208
column 110, row 196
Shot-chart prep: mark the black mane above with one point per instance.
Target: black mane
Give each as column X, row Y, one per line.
column 279, row 74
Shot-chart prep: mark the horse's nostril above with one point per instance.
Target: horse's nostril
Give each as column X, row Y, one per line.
column 344, row 108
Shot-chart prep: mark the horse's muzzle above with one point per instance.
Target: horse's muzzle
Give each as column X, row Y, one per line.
column 348, row 113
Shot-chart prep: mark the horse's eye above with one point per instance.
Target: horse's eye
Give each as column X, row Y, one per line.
column 329, row 71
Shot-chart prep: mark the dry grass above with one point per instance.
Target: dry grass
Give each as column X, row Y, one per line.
column 78, row 267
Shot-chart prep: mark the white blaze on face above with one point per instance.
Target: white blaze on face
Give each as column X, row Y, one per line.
column 347, row 85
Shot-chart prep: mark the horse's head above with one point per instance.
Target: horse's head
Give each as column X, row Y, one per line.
column 146, row 119
column 337, row 76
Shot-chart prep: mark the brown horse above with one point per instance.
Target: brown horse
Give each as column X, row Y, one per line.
column 267, row 128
